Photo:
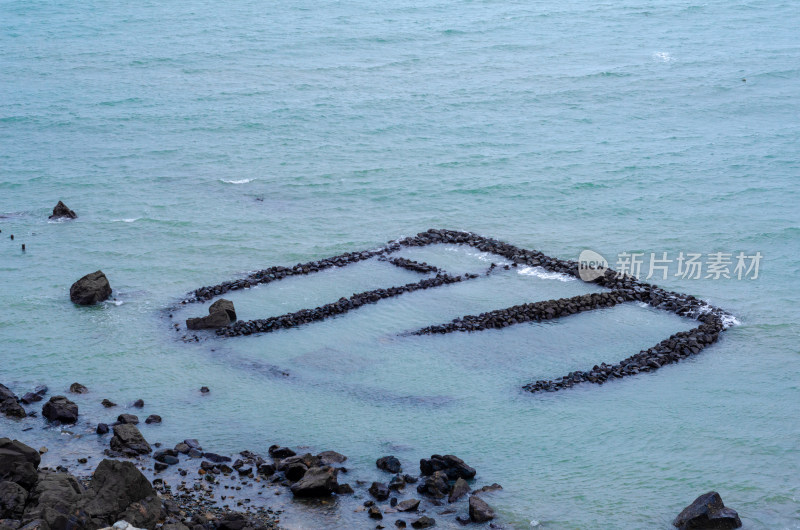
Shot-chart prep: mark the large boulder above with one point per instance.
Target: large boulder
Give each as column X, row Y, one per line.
column 12, row 500
column 119, row 491
column 388, row 463
column 453, row 466
column 62, row 212
column 220, row 314
column 59, row 408
column 128, row 441
column 317, row 482
column 90, row 289
column 18, row 463
column 9, row 404
column 479, row 511
column 55, row 500
column 707, row 512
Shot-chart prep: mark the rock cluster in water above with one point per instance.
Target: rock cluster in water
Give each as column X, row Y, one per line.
column 622, row 288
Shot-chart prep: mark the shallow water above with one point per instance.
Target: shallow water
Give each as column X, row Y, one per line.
column 198, row 142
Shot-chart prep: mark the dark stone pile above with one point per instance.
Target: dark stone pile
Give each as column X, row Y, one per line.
column 678, row 346
column 412, row 265
column 306, row 316
column 623, row 288
column 533, row 312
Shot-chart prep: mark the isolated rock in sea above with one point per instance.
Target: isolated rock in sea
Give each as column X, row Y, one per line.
column 61, row 211
column 128, row 418
column 90, row 289
column 138, row 404
column 153, row 418
column 220, row 314
column 453, row 466
column 77, row 388
column 479, row 511
column 707, row 512
column 9, row 404
column 119, row 491
column 127, row 440
column 102, row 428
column 18, row 463
column 317, row 482
column 108, row 404
column 59, row 408
column 388, row 463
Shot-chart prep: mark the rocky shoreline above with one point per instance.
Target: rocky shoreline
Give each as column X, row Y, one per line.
column 621, row 289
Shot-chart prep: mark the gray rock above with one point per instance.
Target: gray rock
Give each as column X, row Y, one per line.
column 59, row 408
column 328, row 458
column 389, row 463
column 18, row 463
column 317, row 482
column 220, row 314
column 423, row 522
column 707, row 512
column 77, row 388
column 479, row 511
column 12, row 500
column 119, row 491
column 379, row 490
column 90, row 289
column 62, row 212
column 55, row 501
column 128, row 418
column 128, row 441
column 408, row 505
column 9, row 404
column 460, row 488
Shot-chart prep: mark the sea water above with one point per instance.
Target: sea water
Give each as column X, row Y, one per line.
column 199, row 141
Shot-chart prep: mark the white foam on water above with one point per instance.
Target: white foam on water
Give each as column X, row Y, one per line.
column 727, row 319
column 127, row 220
column 242, row 181
column 545, row 274
column 663, row 57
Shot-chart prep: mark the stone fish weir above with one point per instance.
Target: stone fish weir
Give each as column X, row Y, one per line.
column 622, row 289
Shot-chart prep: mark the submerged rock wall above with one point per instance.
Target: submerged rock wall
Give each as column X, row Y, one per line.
column 622, row 289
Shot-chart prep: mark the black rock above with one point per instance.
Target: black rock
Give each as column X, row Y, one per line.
column 138, row 404
column 423, row 522
column 276, row 451
column 317, row 482
column 379, row 490
column 128, row 419
column 12, row 500
column 119, row 491
column 62, row 212
column 408, row 505
column 9, row 404
column 204, row 389
column 295, row 471
column 479, row 511
column 192, row 443
column 160, row 466
column 266, row 469
column 453, row 466
column 128, row 441
column 460, row 488
column 375, row 512
column 102, row 428
column 707, row 512
column 344, row 489
column 55, row 500
column 436, row 485
column 59, row 408
column 328, row 458
column 77, row 388
column 18, row 463
column 90, row 289
column 108, row 404
column 389, row 463
column 213, row 457
column 153, row 418
column 220, row 314
column 30, row 397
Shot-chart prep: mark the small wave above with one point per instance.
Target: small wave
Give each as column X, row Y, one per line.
column 664, row 57
column 128, row 220
column 242, row 181
column 544, row 274
column 727, row 319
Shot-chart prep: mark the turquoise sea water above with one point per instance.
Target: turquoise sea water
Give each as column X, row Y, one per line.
column 199, row 141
